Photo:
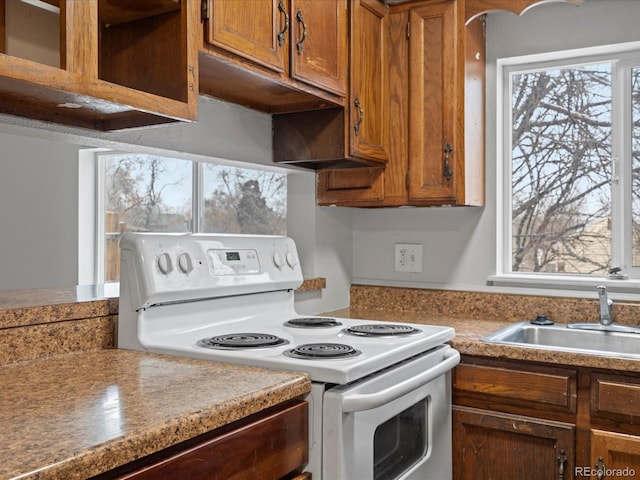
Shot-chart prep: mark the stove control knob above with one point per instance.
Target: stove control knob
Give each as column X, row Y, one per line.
column 278, row 259
column 291, row 260
column 164, row 263
column 185, row 264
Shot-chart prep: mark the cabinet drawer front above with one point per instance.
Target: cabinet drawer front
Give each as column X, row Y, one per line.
column 552, row 387
column 615, row 397
column 270, row 447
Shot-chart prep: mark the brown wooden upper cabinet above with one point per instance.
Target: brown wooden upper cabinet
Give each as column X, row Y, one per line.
column 436, row 70
column 275, row 55
column 356, row 134
column 99, row 64
column 436, row 73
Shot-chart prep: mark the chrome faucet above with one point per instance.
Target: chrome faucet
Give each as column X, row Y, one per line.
column 606, row 317
column 606, row 314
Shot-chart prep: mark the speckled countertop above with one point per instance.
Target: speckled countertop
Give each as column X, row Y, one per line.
column 470, row 331
column 72, row 407
column 76, row 415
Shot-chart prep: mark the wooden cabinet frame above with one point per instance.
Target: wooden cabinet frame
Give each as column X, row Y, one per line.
column 249, row 53
column 436, row 103
column 539, row 409
column 140, row 70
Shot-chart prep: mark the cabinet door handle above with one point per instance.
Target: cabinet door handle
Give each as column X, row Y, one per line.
column 562, row 463
column 281, row 34
column 447, row 169
column 356, row 127
column 601, row 468
column 304, row 31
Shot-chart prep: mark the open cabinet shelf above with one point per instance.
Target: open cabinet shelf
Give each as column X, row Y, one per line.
column 114, row 68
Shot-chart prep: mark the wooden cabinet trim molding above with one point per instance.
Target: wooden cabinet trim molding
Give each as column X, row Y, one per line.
column 519, row 423
column 478, row 7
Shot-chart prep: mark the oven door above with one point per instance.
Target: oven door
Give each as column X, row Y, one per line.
column 393, row 425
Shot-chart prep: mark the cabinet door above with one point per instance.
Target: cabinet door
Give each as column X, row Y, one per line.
column 256, row 30
column 368, row 119
column 379, row 186
column 434, row 147
column 498, row 446
column 616, row 454
column 319, row 43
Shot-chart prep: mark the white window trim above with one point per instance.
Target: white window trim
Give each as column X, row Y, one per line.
column 88, row 224
column 536, row 280
column 91, row 198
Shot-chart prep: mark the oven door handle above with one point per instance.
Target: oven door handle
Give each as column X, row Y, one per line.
column 358, row 402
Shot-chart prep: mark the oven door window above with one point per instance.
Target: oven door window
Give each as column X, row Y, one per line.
column 400, row 442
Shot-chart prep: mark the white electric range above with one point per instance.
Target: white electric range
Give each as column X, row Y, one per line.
column 230, row 298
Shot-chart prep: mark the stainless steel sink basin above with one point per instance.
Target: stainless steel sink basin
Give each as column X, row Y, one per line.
column 561, row 338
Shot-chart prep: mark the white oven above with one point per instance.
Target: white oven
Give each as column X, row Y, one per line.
column 380, row 405
column 393, row 425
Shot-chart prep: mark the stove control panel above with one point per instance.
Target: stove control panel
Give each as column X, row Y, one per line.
column 166, row 268
column 233, row 262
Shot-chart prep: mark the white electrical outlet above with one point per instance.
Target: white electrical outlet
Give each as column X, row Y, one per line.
column 408, row 257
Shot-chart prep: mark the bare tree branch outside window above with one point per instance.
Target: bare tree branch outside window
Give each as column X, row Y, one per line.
column 635, row 153
column 147, row 193
column 240, row 200
column 561, row 170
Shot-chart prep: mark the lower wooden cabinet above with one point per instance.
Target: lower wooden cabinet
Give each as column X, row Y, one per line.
column 615, row 419
column 517, row 419
column 271, row 445
column 613, row 455
column 493, row 445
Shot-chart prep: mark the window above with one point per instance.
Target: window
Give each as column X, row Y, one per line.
column 149, row 193
column 569, row 173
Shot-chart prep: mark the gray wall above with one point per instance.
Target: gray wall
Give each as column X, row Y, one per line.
column 38, row 212
column 39, row 184
column 460, row 243
column 39, row 195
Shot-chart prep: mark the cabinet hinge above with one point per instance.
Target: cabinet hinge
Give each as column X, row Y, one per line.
column 408, row 29
column 204, row 9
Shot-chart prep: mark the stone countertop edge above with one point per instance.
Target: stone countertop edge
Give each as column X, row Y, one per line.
column 73, row 416
column 469, row 333
column 19, row 308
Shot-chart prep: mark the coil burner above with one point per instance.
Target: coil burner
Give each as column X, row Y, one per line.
column 322, row 351
column 381, row 330
column 242, row 340
column 312, row 322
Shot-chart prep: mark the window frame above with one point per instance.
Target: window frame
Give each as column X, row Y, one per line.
column 91, row 215
column 622, row 56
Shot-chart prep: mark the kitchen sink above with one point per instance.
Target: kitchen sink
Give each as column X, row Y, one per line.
column 561, row 337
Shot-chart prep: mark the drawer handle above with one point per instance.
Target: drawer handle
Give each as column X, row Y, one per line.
column 304, row 31
column 358, row 105
column 447, row 169
column 281, row 34
column 601, row 468
column 562, row 462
